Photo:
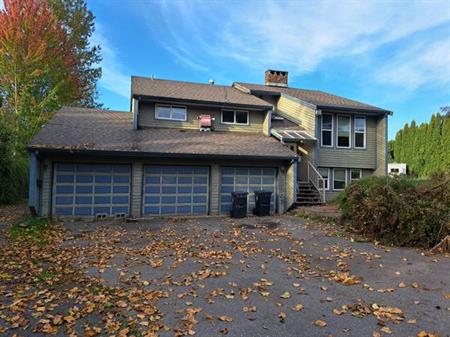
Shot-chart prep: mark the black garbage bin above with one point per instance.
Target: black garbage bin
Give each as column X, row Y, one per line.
column 262, row 202
column 239, row 204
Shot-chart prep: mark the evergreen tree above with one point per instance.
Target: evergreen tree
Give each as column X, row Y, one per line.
column 426, row 149
column 78, row 22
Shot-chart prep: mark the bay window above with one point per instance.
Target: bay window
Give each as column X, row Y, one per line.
column 360, row 132
column 339, row 179
column 343, row 131
column 327, row 130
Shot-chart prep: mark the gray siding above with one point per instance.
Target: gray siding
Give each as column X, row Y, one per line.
column 355, row 158
column 136, row 189
column 147, row 119
column 381, row 154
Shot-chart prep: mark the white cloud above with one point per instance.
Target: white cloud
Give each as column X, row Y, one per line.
column 418, row 65
column 296, row 36
column 115, row 77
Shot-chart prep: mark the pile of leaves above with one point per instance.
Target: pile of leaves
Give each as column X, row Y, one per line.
column 399, row 210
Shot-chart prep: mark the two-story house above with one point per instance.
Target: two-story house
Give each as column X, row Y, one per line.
column 184, row 147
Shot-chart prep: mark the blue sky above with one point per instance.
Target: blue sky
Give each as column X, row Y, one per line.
column 392, row 54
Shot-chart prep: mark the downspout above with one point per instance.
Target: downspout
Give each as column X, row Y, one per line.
column 135, row 111
column 32, row 183
column 296, row 160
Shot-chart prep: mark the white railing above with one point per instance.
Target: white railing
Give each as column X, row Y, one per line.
column 317, row 180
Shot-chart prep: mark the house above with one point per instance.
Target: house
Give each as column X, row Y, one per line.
column 397, row 168
column 303, row 145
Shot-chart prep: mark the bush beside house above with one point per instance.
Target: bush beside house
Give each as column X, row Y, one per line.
column 399, row 210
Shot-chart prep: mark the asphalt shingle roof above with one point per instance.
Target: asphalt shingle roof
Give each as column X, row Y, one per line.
column 318, row 98
column 217, row 94
column 75, row 129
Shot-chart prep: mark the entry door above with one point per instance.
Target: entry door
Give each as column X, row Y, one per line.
column 175, row 190
column 89, row 190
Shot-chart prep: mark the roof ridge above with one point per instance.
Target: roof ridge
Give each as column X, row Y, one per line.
column 178, row 81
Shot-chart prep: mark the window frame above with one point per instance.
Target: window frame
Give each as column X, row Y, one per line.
column 334, row 175
column 364, row 133
column 360, row 174
column 349, row 132
column 322, row 129
column 234, row 114
column 171, row 107
column 328, row 187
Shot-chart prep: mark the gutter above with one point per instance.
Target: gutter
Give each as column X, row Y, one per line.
column 139, row 154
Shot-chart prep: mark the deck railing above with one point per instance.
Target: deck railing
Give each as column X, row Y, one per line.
column 317, row 180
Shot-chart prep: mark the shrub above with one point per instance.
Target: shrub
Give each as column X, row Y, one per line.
column 13, row 168
column 399, row 210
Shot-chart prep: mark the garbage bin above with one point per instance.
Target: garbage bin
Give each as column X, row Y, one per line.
column 239, row 204
column 262, row 202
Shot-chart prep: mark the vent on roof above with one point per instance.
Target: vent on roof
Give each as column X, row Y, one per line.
column 211, row 81
column 277, row 78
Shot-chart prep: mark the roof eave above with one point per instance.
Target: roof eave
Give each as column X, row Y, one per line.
column 332, row 108
column 202, row 102
column 135, row 154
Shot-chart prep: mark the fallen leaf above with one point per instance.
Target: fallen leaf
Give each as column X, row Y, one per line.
column 286, row 294
column 297, row 307
column 320, row 323
column 224, row 318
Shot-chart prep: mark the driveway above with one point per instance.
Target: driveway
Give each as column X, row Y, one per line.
column 275, row 276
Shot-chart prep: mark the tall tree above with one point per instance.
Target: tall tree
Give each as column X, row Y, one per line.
column 425, row 148
column 37, row 65
column 78, row 21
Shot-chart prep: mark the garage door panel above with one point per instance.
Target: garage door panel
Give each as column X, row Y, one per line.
column 171, row 190
column 246, row 179
column 90, row 189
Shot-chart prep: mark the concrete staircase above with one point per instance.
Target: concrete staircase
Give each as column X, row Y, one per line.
column 307, row 194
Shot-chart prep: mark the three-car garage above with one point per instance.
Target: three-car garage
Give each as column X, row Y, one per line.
column 95, row 189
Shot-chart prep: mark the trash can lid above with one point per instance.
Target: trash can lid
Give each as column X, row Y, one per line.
column 262, row 192
column 239, row 193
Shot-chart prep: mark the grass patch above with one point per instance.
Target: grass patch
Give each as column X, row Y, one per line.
column 32, row 228
column 45, row 276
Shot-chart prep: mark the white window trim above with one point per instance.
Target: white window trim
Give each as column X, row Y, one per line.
column 332, row 130
column 171, row 106
column 346, row 181
column 329, row 182
column 349, row 132
column 360, row 174
column 235, row 123
column 365, row 133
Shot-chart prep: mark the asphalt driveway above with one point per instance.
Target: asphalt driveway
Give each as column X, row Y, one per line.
column 274, row 276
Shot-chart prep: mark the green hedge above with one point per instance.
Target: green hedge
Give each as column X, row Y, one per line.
column 399, row 210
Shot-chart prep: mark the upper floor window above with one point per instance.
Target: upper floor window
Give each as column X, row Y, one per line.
column 327, row 130
column 360, row 132
column 171, row 112
column 343, row 131
column 235, row 117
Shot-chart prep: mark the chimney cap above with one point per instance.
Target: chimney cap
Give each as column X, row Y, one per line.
column 278, row 78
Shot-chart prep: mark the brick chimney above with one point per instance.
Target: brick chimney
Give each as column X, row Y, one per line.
column 276, row 78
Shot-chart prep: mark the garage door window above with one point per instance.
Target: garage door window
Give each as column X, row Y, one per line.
column 175, row 190
column 245, row 179
column 87, row 190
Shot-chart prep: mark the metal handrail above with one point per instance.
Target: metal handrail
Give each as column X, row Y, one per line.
column 315, row 178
